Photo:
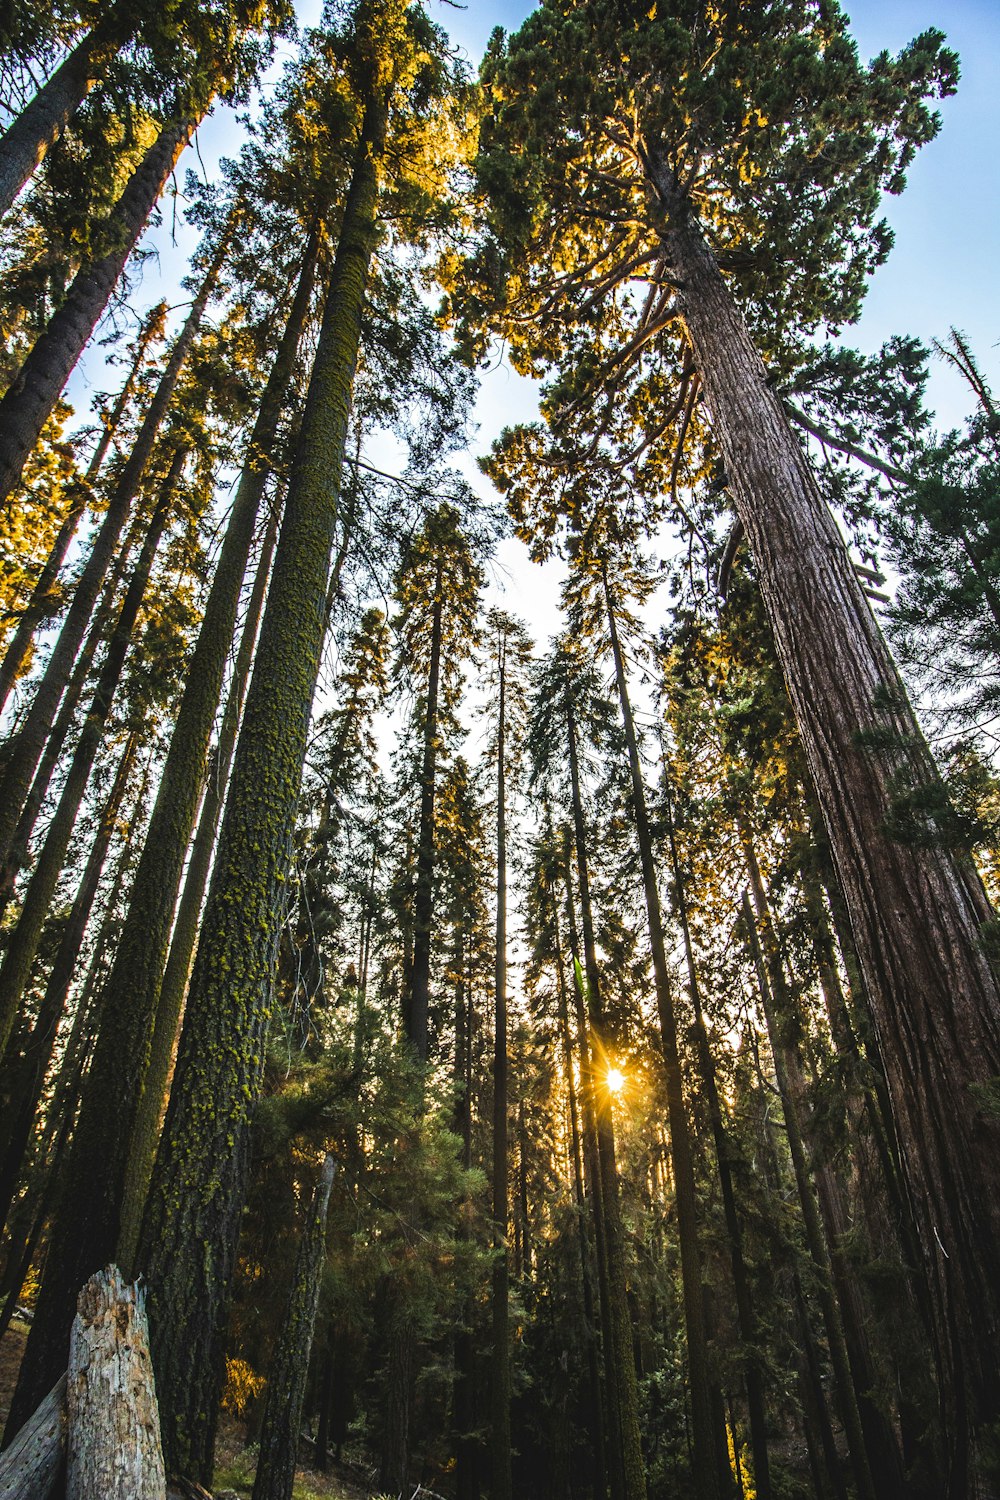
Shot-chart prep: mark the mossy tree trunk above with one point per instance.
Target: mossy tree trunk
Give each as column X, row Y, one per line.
column 193, row 1213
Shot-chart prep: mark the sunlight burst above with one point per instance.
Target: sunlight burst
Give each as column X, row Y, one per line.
column 615, row 1080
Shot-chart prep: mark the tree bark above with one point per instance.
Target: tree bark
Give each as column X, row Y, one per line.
column 36, row 388
column 192, row 1218
column 703, row 1422
column 501, row 1487
column 286, row 1381
column 418, row 998
column 633, row 1473
column 24, row 755
column 25, row 938
column 31, row 1467
column 916, row 924
column 40, row 605
column 42, row 122
column 113, row 1439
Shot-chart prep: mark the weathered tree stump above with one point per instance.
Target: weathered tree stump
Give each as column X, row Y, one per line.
column 113, row 1443
column 30, row 1467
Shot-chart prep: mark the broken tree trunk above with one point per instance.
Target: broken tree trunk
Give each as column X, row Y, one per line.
column 30, row 1467
column 114, row 1425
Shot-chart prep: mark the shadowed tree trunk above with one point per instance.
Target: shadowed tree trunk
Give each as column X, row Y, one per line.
column 500, row 1488
column 286, row 1380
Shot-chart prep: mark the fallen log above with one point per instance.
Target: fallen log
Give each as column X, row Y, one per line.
column 30, row 1467
column 113, row 1439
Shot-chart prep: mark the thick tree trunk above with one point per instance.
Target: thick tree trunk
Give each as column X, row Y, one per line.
column 286, row 1380
column 113, row 1439
column 619, row 1352
column 704, row 1426
column 21, row 762
column 41, row 604
column 193, row 1213
column 42, row 122
column 917, row 923
column 177, row 971
column 131, row 1005
column 36, row 388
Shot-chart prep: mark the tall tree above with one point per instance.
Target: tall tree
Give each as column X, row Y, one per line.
column 751, row 231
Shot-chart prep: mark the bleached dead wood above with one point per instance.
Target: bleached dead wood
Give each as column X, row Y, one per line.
column 29, row 1468
column 113, row 1441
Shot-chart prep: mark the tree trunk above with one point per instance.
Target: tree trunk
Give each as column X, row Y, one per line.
column 31, row 1467
column 501, row 1486
column 750, row 1333
column 40, row 605
column 65, row 719
column 113, row 1439
column 286, row 1381
column 36, row 388
column 916, row 922
column 42, row 122
column 193, row 1213
column 39, row 1047
column 177, row 971
column 703, row 1422
column 25, row 938
column 134, row 985
column 418, row 998
column 815, row 1241
column 20, row 764
column 619, row 1353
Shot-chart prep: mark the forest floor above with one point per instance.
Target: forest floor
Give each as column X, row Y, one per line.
column 235, row 1461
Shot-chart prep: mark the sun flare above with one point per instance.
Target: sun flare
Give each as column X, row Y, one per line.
column 615, row 1080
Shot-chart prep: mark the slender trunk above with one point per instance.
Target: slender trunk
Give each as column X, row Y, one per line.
column 500, row 1389
column 26, row 936
column 815, row 1240
column 20, row 764
column 750, row 1332
column 418, row 998
column 286, row 1380
column 193, row 1213
column 467, row 1486
column 42, row 122
column 597, row 1431
column 613, row 1464
column 620, row 1351
column 43, row 596
column 703, row 1424
column 40, row 1044
column 177, row 971
column 36, row 388
column 916, row 922
column 65, row 719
